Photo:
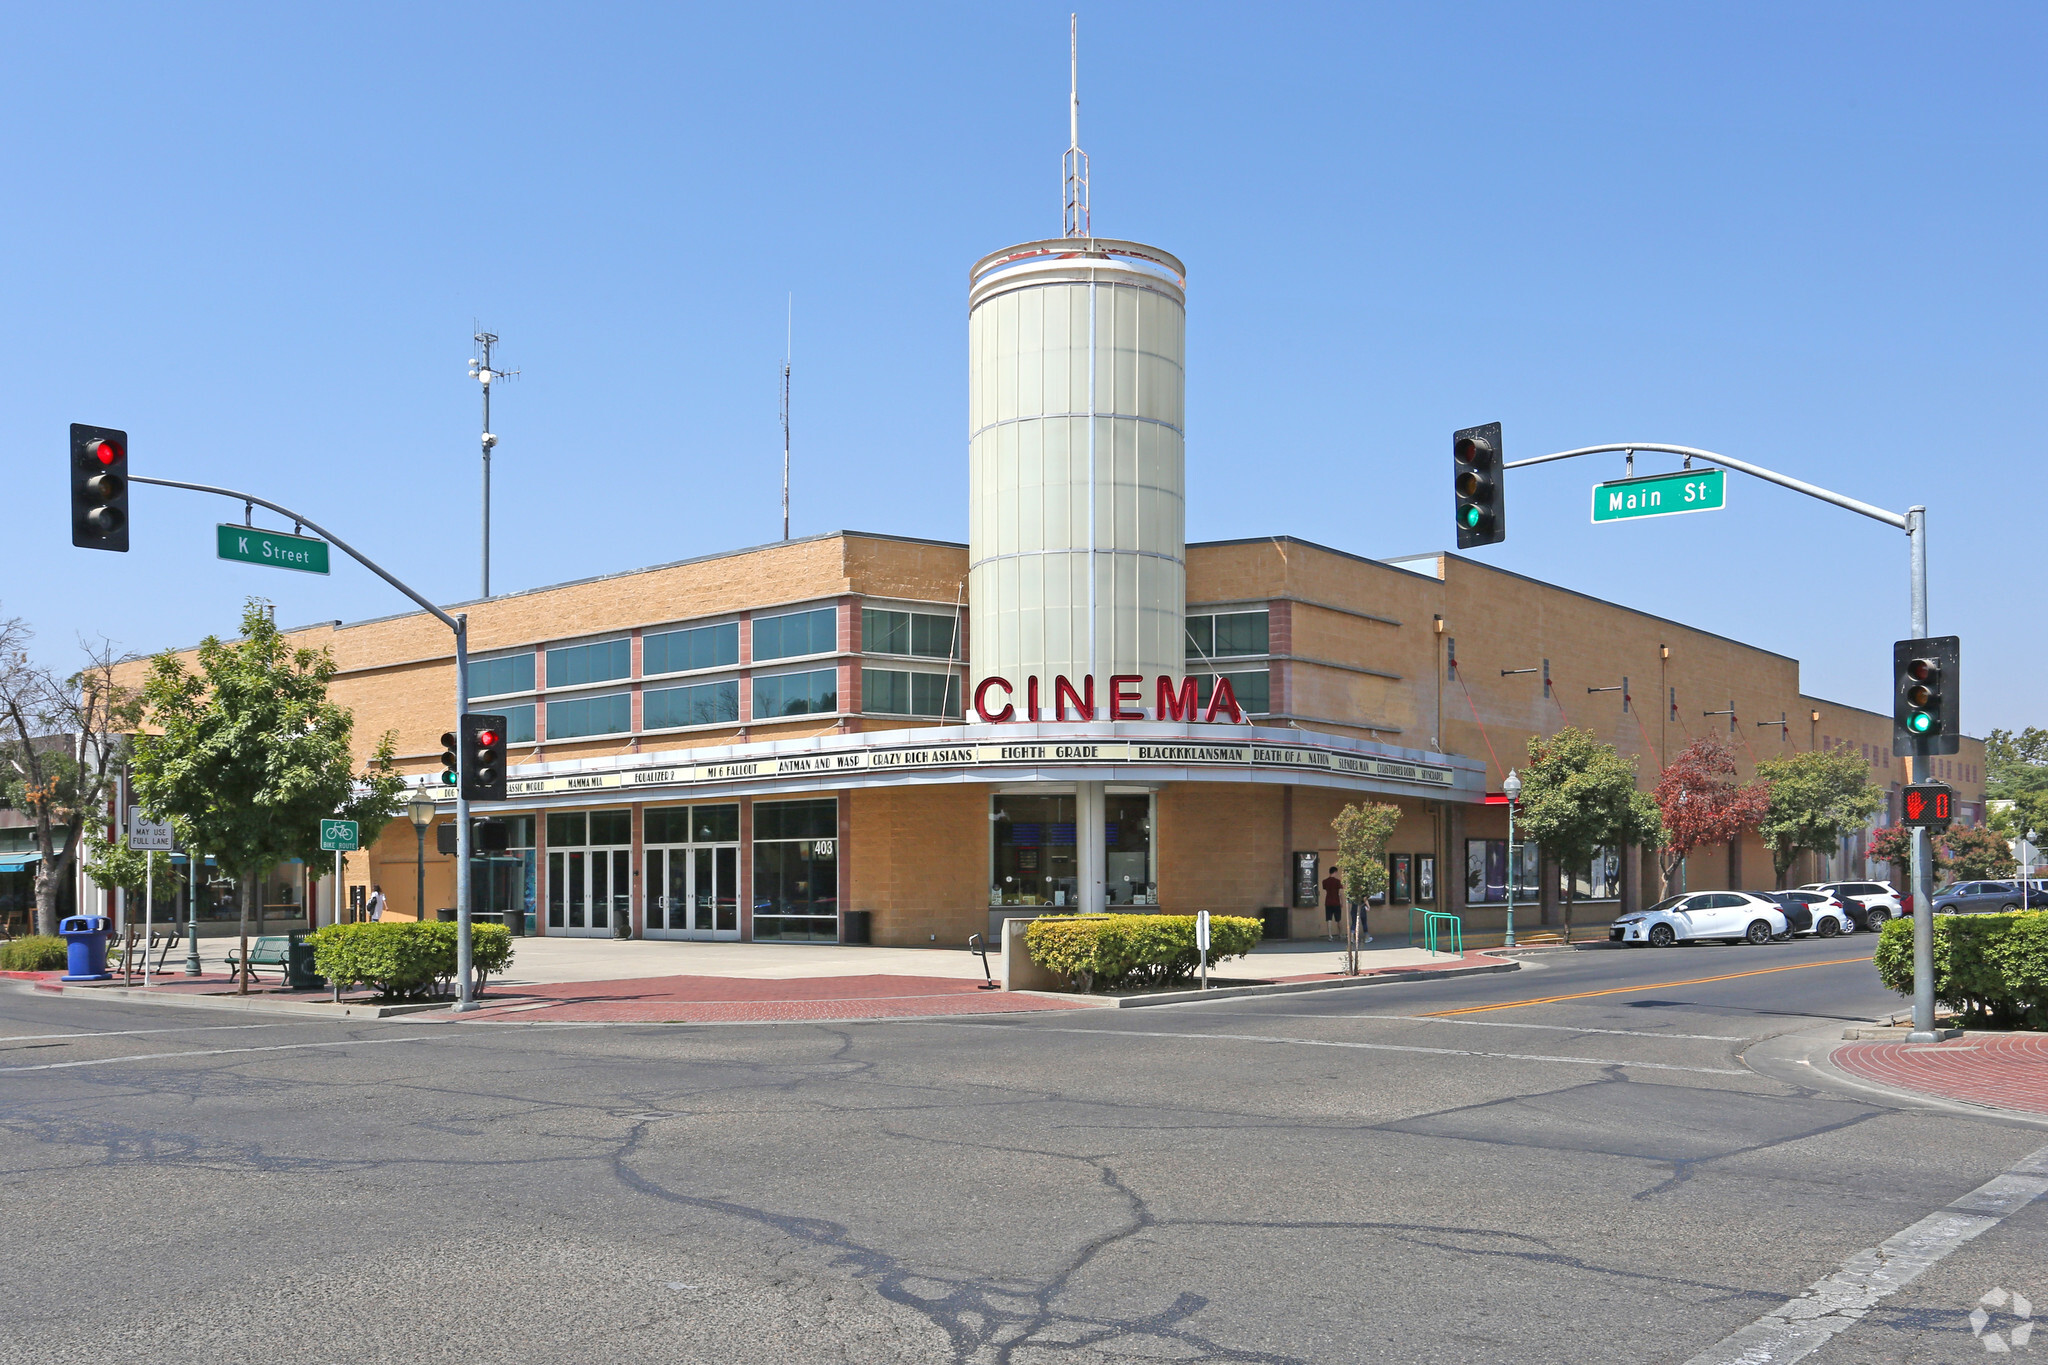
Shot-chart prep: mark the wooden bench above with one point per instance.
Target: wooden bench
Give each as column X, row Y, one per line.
column 268, row 951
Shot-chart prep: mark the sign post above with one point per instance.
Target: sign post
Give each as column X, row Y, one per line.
column 1202, row 943
column 342, row 836
column 152, row 837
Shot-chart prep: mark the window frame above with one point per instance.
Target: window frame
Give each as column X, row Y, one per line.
column 754, row 634
column 648, row 634
column 547, row 683
column 754, row 715
column 511, row 656
column 955, row 687
column 585, row 699
column 646, row 694
column 1211, row 615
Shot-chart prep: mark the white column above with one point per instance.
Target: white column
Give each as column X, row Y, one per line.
column 1088, row 845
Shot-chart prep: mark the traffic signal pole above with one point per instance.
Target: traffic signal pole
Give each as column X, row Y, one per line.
column 1914, row 523
column 459, row 624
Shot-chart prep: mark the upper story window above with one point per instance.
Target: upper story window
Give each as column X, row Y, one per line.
column 906, row 632
column 1227, row 634
column 796, row 694
column 501, row 677
column 713, row 703
column 601, row 662
column 518, row 724
column 1252, row 688
column 679, row 651
column 571, row 717
column 800, row 632
column 897, row 693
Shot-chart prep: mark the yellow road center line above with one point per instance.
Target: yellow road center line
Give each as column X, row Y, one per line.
column 1656, row 986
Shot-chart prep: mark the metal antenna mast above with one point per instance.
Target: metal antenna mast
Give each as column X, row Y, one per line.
column 1074, row 219
column 480, row 370
column 788, row 339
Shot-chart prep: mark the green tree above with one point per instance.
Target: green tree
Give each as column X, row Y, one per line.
column 249, row 755
column 1362, row 835
column 1974, row 853
column 2016, row 764
column 62, row 739
column 1816, row 797
column 1580, row 795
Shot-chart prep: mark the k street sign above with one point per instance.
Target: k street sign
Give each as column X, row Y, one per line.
column 279, row 551
column 1661, row 495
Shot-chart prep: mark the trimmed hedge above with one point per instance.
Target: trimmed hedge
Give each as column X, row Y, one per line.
column 400, row 959
column 1992, row 968
column 1104, row 952
column 33, row 953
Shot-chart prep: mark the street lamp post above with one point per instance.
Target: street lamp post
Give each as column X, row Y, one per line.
column 1512, row 789
column 420, row 810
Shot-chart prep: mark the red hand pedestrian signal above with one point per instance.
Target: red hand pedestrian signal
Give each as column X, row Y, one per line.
column 1928, row 805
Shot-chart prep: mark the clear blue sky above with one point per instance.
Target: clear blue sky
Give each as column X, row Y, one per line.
column 1809, row 236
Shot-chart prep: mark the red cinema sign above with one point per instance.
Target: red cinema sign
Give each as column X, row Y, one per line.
column 996, row 701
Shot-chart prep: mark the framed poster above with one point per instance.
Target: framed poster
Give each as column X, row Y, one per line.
column 1307, row 886
column 1425, row 879
column 1397, row 878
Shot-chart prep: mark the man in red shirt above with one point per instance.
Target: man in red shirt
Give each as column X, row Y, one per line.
column 1333, row 903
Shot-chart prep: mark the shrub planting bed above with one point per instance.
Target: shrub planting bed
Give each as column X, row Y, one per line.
column 1993, row 969
column 1112, row 952
column 32, row 953
column 406, row 961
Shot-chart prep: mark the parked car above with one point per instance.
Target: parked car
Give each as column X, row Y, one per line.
column 1731, row 916
column 1813, row 912
column 1973, row 898
column 1869, row 904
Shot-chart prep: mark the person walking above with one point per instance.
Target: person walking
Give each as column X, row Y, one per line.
column 1333, row 904
column 376, row 904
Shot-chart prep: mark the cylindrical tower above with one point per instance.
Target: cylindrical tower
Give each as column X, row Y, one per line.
column 1077, row 521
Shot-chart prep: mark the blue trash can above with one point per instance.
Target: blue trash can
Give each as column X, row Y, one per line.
column 85, row 938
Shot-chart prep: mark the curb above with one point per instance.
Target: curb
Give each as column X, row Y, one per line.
column 1391, row 978
column 1804, row 1060
column 304, row 1009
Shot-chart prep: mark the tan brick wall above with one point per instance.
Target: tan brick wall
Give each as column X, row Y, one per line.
column 920, row 862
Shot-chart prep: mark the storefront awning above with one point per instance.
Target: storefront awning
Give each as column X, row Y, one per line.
column 18, row 862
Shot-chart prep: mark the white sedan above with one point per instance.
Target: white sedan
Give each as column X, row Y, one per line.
column 1731, row 916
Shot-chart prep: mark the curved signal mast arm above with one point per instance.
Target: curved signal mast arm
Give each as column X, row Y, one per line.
column 1894, row 519
column 372, row 565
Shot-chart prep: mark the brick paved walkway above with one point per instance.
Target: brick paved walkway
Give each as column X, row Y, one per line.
column 724, row 999
column 2007, row 1071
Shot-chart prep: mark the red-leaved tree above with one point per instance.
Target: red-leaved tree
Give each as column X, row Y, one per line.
column 1893, row 844
column 1703, row 801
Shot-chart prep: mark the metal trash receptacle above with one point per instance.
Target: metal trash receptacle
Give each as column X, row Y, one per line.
column 298, row 965
column 445, row 914
column 85, row 947
column 859, row 927
column 1275, row 920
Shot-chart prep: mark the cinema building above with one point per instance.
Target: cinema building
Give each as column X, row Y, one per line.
column 883, row 738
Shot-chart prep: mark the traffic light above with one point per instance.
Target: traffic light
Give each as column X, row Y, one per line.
column 451, row 762
column 1481, row 498
column 99, row 488
column 1925, row 713
column 1929, row 805
column 483, row 752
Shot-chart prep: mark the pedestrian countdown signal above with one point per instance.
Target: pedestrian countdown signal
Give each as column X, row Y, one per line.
column 1928, row 805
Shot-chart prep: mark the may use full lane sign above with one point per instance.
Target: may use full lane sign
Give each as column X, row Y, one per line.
column 278, row 550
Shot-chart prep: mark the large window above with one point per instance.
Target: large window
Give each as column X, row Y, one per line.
column 1034, row 859
column 796, row 694
column 601, row 662
column 518, row 723
column 1253, row 689
column 506, row 881
column 800, row 632
column 569, row 717
column 890, row 692
column 1600, row 880
column 1229, row 634
column 906, row 632
column 691, row 881
column 501, row 677
column 716, row 703
column 679, row 651
column 796, row 871
column 1486, row 872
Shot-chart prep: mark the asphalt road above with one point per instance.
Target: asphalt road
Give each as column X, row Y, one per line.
column 1632, row 1173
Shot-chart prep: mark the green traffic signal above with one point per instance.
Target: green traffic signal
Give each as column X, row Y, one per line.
column 1920, row 722
column 1470, row 517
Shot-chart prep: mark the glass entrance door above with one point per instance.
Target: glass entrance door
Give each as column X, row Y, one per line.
column 590, row 888
column 693, row 892
column 692, row 875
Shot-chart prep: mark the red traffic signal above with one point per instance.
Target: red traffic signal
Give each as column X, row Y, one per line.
column 483, row 753
column 99, row 488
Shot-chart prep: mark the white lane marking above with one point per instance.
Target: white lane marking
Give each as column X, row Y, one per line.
column 1367, row 1047
column 128, row 1032
column 1554, row 1028
column 1832, row 1305
column 223, row 1052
